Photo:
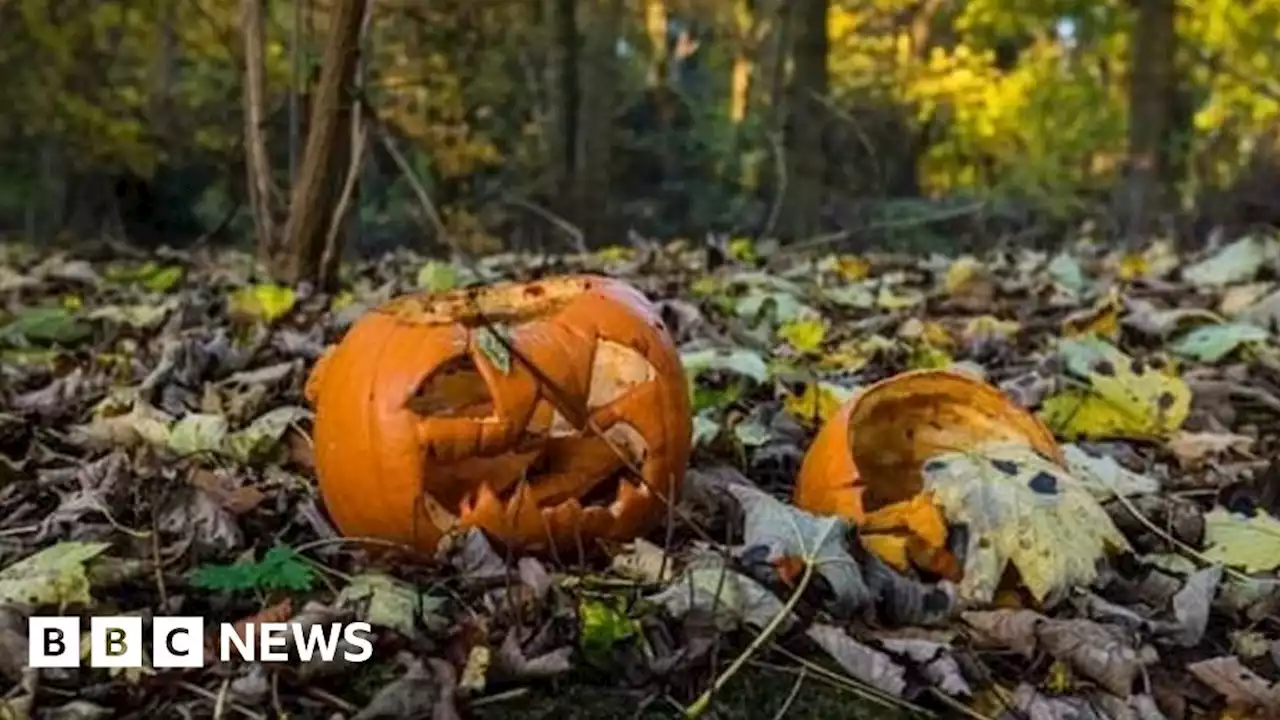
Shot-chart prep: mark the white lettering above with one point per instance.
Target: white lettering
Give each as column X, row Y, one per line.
column 273, row 636
column 359, row 634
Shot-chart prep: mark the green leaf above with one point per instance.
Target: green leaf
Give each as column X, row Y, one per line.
column 1237, row 262
column 44, row 325
column 493, row 347
column 436, row 276
column 197, row 433
column 160, row 278
column 603, row 625
column 805, row 335
column 256, row 441
column 52, row 576
column 265, row 302
column 1249, row 543
column 1066, row 271
column 282, row 568
column 1211, row 343
column 740, row 361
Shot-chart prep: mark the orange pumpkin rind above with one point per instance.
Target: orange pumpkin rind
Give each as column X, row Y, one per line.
column 864, row 465
column 427, row 423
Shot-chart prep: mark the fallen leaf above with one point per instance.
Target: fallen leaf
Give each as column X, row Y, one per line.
column 1013, row 629
column 1121, row 398
column 935, row 662
column 788, row 531
column 866, row 664
column 52, row 576
column 644, row 561
column 1212, row 343
column 1192, row 449
column 1238, row 262
column 1099, row 652
column 1104, row 476
column 1237, row 683
column 1021, row 509
column 1249, row 543
column 740, row 361
column 264, row 302
column 708, row 586
column 1192, row 603
column 387, row 602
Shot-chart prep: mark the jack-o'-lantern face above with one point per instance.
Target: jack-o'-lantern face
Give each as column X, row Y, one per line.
column 522, row 409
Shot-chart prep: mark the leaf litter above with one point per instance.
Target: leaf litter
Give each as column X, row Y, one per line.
column 154, row 459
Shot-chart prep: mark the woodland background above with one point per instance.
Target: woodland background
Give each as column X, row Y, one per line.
column 477, row 125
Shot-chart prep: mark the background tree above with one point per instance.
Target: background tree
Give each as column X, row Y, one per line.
column 544, row 124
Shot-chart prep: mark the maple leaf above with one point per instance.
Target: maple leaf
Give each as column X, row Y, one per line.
column 1023, row 509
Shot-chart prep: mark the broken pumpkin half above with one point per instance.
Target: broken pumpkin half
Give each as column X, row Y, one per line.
column 865, row 464
column 522, row 409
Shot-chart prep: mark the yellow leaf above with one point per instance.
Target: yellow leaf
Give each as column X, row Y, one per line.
column 853, row 355
column 264, row 302
column 925, row 357
column 804, row 335
column 962, row 272
column 853, row 267
column 1249, row 543
column 889, row 299
column 817, row 402
column 1119, row 403
column 1103, row 319
column 989, row 327
column 342, row 300
column 743, row 249
column 615, row 253
column 1132, row 266
column 1024, row 510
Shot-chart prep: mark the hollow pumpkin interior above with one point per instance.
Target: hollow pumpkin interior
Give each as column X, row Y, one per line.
column 895, row 427
column 559, row 460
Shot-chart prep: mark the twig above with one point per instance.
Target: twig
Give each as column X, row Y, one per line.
column 499, row 697
column 1183, row 547
column 216, row 698
column 348, row 189
column 700, row 705
column 334, row 700
column 574, row 233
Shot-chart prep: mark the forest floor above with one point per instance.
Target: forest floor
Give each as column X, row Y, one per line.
column 156, row 458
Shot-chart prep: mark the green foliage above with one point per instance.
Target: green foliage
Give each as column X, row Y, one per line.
column 281, row 568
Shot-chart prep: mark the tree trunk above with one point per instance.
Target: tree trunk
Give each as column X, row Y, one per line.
column 561, row 81
column 1151, row 109
column 803, row 195
column 597, row 101
column 305, row 255
column 257, row 163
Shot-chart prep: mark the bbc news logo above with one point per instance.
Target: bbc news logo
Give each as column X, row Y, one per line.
column 179, row 642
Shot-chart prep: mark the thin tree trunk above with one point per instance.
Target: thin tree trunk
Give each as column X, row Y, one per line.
column 561, row 81
column 1151, row 108
column 324, row 160
column 257, row 164
column 597, row 101
column 804, row 192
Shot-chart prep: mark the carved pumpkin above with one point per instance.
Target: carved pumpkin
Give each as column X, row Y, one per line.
column 428, row 420
column 864, row 465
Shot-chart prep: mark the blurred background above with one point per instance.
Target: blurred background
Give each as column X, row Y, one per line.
column 561, row 124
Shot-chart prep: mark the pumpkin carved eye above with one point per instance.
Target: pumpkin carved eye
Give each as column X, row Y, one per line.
column 577, row 436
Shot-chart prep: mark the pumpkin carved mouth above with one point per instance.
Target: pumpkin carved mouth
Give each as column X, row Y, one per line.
column 539, row 447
